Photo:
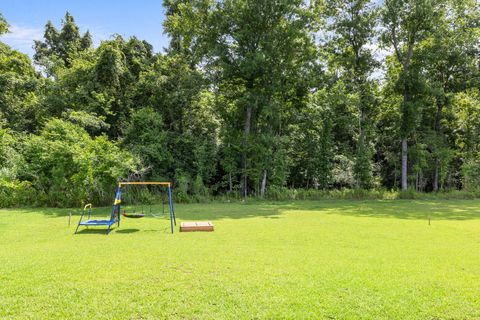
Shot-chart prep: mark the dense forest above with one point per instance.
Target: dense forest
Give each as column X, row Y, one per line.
column 250, row 99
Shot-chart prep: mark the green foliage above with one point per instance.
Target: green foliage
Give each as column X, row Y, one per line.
column 363, row 169
column 183, row 186
column 3, row 24
column 110, row 67
column 10, row 155
column 353, row 25
column 145, row 137
column 466, row 107
column 176, row 93
column 325, row 161
column 13, row 192
column 407, row 23
column 16, row 193
column 60, row 46
column 89, row 121
column 102, row 83
column 471, row 173
column 67, row 167
column 20, row 88
column 248, row 47
column 342, row 172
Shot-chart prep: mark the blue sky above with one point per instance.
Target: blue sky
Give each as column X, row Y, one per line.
column 27, row 18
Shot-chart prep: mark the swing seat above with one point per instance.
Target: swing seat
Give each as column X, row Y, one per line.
column 97, row 222
column 133, row 215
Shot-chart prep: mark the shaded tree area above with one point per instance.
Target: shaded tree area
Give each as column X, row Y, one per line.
column 250, row 98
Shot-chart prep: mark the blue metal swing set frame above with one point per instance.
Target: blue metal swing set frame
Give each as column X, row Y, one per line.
column 115, row 214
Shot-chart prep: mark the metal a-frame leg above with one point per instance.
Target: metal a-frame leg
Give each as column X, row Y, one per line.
column 172, row 214
column 78, row 225
column 109, row 229
column 81, row 217
column 118, row 216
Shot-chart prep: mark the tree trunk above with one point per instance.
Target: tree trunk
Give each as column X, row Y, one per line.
column 404, row 164
column 417, row 182
column 230, row 185
column 246, row 131
column 406, row 100
column 264, row 184
column 407, row 130
column 438, row 129
column 395, row 183
column 422, row 182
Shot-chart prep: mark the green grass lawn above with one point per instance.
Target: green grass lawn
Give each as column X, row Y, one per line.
column 302, row 260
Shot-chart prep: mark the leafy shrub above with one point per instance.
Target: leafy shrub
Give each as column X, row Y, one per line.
column 471, row 174
column 10, row 157
column 70, row 167
column 343, row 173
column 409, row 194
column 16, row 193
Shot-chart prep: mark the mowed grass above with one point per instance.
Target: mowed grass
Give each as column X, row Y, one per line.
column 301, row 260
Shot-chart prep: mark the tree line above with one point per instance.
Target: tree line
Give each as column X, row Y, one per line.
column 250, row 97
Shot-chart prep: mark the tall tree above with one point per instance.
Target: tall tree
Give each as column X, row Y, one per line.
column 451, row 67
column 20, row 90
column 60, row 46
column 102, row 82
column 466, row 107
column 406, row 24
column 255, row 69
column 353, row 24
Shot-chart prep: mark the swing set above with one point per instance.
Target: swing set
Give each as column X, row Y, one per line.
column 129, row 208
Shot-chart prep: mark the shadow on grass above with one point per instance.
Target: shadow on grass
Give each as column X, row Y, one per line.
column 127, row 230
column 134, row 230
column 92, row 231
column 399, row 209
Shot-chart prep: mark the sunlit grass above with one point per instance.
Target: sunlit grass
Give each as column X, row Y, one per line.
column 329, row 259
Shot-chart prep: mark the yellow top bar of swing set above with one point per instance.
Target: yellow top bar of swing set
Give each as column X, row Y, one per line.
column 145, row 182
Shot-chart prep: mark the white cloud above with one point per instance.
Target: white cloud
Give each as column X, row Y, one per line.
column 21, row 38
